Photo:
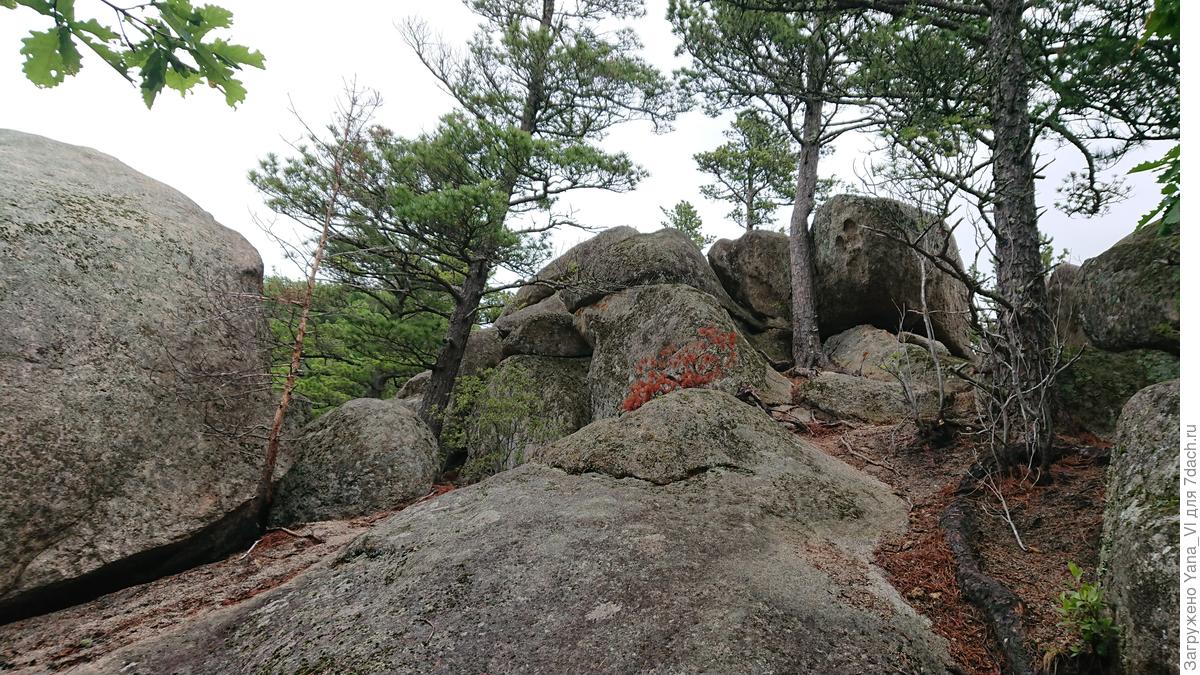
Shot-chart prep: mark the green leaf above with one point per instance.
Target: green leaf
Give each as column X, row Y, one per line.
column 50, row 56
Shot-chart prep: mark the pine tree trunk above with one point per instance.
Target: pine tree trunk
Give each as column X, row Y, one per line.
column 806, row 335
column 449, row 360
column 1019, row 269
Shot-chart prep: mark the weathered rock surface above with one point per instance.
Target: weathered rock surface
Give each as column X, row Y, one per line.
column 876, row 354
column 364, row 456
column 117, row 295
column 528, row 401
column 1062, row 289
column 1129, row 295
column 577, row 258
column 660, row 328
column 754, row 270
column 1092, row 391
column 485, row 349
column 414, row 387
column 761, row 565
column 1140, row 554
column 844, row 396
column 622, row 258
column 542, row 329
column 863, row 277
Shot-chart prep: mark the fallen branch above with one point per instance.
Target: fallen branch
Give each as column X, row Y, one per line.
column 312, row 537
column 868, row 460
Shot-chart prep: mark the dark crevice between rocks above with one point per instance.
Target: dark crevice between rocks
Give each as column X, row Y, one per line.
column 999, row 604
column 233, row 532
column 687, row 475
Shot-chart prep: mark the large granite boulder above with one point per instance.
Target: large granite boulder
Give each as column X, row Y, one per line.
column 122, row 303
column 578, row 258
column 363, row 456
column 1062, row 293
column 1140, row 553
column 865, row 277
column 526, row 402
column 754, row 270
column 850, row 397
column 751, row 554
column 617, row 259
column 1093, row 389
column 876, row 354
column 1129, row 295
column 545, row 328
column 644, row 335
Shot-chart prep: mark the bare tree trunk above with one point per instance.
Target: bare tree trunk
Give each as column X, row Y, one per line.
column 806, row 335
column 445, row 369
column 352, row 119
column 1019, row 269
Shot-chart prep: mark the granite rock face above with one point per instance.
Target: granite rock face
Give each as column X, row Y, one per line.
column 1129, row 295
column 752, row 553
column 669, row 329
column 119, row 298
column 864, row 276
column 1140, row 553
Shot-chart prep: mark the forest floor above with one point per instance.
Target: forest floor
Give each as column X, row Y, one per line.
column 1058, row 523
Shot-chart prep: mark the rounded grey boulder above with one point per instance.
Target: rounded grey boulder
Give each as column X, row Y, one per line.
column 122, row 303
column 664, row 329
column 754, row 270
column 865, row 277
column 1140, row 552
column 1129, row 295
column 364, row 456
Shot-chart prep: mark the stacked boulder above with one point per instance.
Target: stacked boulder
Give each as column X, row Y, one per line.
column 597, row 331
column 1118, row 315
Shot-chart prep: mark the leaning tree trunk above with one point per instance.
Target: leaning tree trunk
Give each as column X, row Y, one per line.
column 806, row 335
column 1019, row 269
column 449, row 360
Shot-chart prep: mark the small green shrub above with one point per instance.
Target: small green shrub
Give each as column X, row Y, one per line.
column 1084, row 611
column 491, row 419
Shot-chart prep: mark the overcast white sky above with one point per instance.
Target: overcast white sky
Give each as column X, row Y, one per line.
column 204, row 149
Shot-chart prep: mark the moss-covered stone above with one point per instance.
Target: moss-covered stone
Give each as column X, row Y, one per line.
column 1140, row 554
column 1129, row 295
column 1093, row 389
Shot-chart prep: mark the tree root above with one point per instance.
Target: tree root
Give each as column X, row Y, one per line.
column 1002, row 608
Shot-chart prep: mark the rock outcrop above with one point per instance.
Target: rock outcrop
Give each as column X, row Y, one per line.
column 1129, row 295
column 119, row 298
column 545, row 328
column 1140, row 555
column 526, row 402
column 842, row 396
column 756, row 556
column 668, row 329
column 864, row 277
column 754, row 270
column 876, row 354
column 363, row 456
column 1092, row 390
column 578, row 258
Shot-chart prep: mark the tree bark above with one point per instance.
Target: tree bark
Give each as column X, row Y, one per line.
column 1019, row 269
column 449, row 360
column 806, row 334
